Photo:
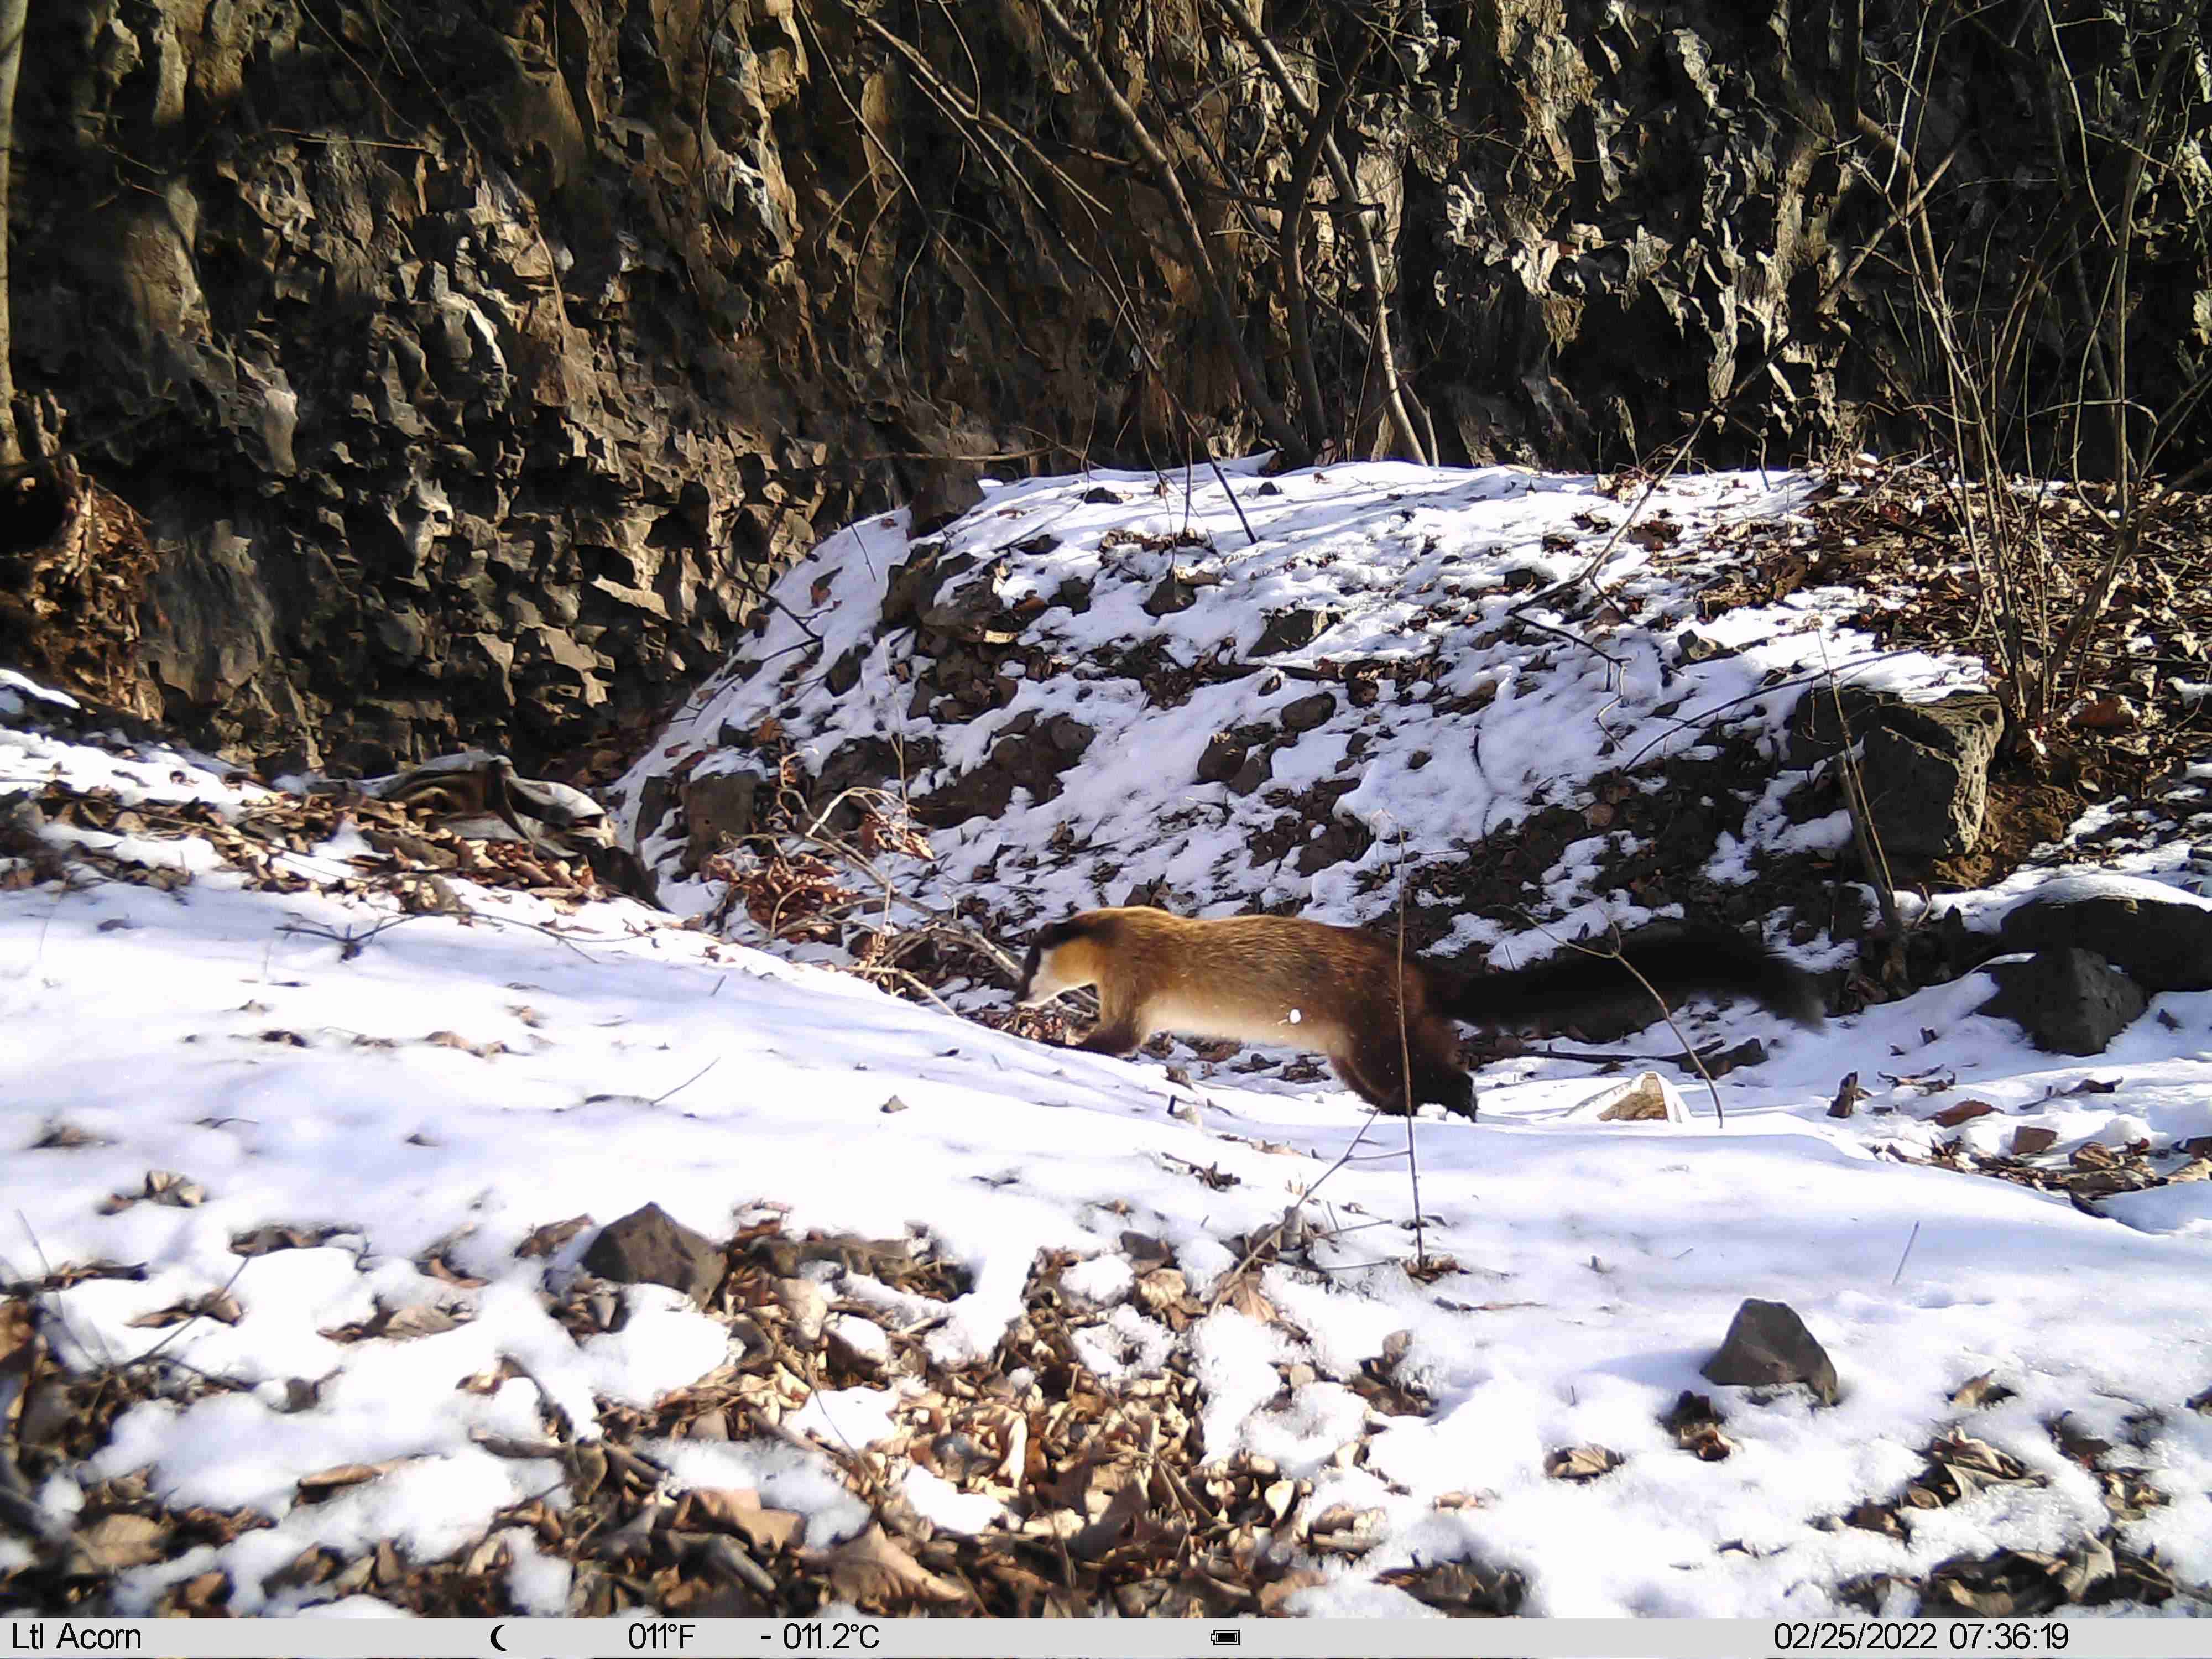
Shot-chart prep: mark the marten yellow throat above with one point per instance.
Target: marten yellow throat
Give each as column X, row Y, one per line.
column 1339, row 991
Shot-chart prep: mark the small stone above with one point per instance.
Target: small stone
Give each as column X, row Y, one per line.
column 1307, row 713
column 1174, row 593
column 1223, row 756
column 648, row 1246
column 1257, row 769
column 2026, row 1142
column 1767, row 1343
column 1069, row 735
column 1293, row 630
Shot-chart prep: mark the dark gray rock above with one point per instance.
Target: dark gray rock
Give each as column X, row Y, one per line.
column 651, row 1246
column 1294, row 631
column 1172, row 594
column 718, row 809
column 1925, row 765
column 1069, row 735
column 1223, row 756
column 1339, row 839
column 2069, row 1000
column 1767, row 1344
column 1304, row 714
column 946, row 490
column 2162, row 944
column 1927, row 771
column 845, row 674
column 1031, row 759
column 1258, row 767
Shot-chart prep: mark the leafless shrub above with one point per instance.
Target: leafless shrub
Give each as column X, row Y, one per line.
column 2034, row 357
column 805, row 879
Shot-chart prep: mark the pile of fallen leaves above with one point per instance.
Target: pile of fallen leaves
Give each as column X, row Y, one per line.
column 808, row 871
column 2013, row 1583
column 72, row 603
column 410, row 853
column 1103, row 1494
column 1081, row 1463
column 1892, row 532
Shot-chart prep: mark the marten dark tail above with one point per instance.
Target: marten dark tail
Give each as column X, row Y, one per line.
column 1678, row 961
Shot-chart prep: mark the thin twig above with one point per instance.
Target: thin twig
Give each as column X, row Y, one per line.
column 1613, row 952
column 1406, row 1069
column 1907, row 1256
column 1869, row 842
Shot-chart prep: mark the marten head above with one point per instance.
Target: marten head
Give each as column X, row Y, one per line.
column 1063, row 956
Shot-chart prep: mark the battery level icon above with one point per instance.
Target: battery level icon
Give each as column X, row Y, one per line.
column 1225, row 1638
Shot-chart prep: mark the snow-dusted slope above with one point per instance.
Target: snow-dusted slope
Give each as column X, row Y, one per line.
column 607, row 1059
column 1353, row 635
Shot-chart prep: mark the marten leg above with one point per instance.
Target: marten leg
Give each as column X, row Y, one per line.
column 1374, row 1064
column 1372, row 1068
column 1439, row 1077
column 1119, row 1031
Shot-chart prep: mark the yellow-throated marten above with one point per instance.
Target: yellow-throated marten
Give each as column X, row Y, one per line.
column 1308, row 985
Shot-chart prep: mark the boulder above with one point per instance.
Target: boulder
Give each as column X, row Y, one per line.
column 1926, row 767
column 2161, row 943
column 718, row 809
column 2069, row 1000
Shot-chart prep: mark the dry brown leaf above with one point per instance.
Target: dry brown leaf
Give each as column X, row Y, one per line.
column 1166, row 1294
column 1965, row 1111
column 1876, row 1517
column 1581, row 1462
column 163, row 1187
column 874, row 1571
column 2107, row 713
column 116, row 1541
column 262, row 1240
column 219, row 1305
column 1243, row 1293
column 313, row 1488
column 1272, row 1596
column 203, row 1595
column 1979, row 1391
column 738, row 1510
column 19, row 1335
column 1461, row 1587
column 1342, row 1530
column 545, row 1240
column 1848, row 1096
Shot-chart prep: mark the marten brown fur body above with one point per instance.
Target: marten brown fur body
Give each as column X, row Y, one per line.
column 1339, row 990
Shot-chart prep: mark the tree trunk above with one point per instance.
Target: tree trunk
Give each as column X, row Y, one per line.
column 13, row 13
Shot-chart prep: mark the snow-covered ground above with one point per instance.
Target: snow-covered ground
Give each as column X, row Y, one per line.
column 458, row 1083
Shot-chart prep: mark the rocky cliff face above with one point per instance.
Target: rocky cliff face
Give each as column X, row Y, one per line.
column 473, row 367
